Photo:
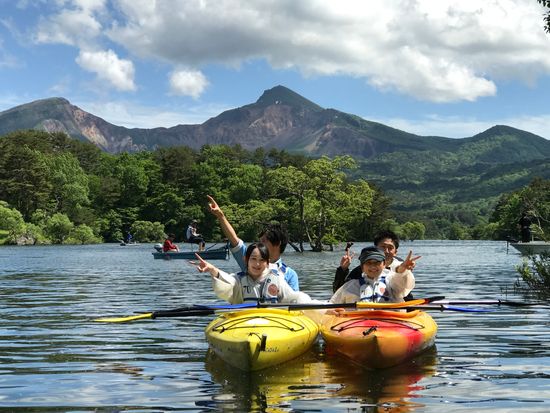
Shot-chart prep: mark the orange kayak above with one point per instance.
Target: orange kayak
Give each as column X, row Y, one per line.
column 376, row 338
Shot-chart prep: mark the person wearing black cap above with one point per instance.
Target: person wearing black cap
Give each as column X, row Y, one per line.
column 378, row 284
column 385, row 240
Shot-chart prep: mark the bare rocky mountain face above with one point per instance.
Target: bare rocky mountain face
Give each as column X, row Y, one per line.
column 280, row 119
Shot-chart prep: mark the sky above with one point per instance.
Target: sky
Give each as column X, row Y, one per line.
column 429, row 67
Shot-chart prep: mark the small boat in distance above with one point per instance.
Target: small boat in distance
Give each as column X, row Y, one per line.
column 531, row 247
column 221, row 253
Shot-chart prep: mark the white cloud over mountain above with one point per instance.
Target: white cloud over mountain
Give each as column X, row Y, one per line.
column 433, row 50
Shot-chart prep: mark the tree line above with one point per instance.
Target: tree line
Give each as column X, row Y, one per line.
column 55, row 189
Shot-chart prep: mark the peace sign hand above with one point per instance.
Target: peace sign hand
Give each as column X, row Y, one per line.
column 409, row 263
column 345, row 261
column 204, row 266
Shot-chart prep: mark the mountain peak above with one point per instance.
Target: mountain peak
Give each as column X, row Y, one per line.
column 280, row 95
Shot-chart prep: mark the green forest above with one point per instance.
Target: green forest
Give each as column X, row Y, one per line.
column 55, row 189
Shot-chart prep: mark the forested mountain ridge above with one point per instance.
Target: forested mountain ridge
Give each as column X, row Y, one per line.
column 463, row 185
column 435, row 180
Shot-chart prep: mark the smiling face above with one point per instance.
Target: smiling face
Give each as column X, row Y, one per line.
column 256, row 264
column 373, row 268
column 388, row 246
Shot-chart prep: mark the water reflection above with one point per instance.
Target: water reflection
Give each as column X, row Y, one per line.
column 53, row 358
column 314, row 381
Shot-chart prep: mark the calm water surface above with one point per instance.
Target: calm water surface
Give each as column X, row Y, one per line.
column 54, row 358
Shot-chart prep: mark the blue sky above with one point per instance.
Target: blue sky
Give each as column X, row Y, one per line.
column 445, row 68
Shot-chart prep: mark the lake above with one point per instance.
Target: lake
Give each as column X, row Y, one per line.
column 54, row 358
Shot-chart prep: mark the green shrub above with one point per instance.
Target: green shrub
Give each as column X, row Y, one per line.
column 535, row 272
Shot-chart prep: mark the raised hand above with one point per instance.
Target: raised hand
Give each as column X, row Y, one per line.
column 345, row 261
column 214, row 207
column 204, row 266
column 409, row 263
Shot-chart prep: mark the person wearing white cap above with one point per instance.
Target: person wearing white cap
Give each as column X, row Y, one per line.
column 193, row 236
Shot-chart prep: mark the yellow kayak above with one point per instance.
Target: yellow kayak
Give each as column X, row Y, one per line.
column 255, row 339
column 378, row 338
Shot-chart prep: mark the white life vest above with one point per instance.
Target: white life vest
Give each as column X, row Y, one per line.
column 264, row 291
column 374, row 291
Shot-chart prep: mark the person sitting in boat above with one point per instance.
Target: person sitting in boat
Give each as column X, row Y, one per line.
column 377, row 283
column 193, row 236
column 273, row 236
column 258, row 283
column 385, row 240
column 169, row 245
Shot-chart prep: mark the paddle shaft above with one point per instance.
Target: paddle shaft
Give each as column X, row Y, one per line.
column 484, row 302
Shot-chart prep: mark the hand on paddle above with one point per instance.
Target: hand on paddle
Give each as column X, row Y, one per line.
column 205, row 266
column 408, row 264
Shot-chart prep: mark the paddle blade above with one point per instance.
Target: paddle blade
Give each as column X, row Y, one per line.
column 124, row 319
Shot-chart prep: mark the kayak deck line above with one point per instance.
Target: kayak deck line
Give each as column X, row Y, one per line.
column 353, row 323
column 281, row 323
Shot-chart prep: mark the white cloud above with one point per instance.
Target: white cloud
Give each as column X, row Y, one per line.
column 72, row 27
column 109, row 67
column 188, row 83
column 133, row 115
column 432, row 50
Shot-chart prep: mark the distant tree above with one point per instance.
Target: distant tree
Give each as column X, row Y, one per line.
column 146, row 231
column 534, row 200
column 11, row 221
column 546, row 3
column 458, row 231
column 58, row 228
column 24, row 177
column 412, row 230
column 35, row 234
column 132, row 173
column 391, row 225
column 82, row 234
column 69, row 184
column 109, row 226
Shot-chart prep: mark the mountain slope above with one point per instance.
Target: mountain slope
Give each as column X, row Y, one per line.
column 280, row 118
column 429, row 178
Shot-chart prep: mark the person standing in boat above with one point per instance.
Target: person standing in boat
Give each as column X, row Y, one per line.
column 169, row 245
column 259, row 283
column 385, row 240
column 273, row 236
column 193, row 236
column 377, row 283
column 525, row 227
